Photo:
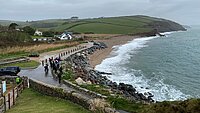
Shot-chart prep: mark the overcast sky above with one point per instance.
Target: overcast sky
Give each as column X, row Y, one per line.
column 181, row 11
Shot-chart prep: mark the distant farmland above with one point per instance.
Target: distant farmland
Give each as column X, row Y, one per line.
column 111, row 25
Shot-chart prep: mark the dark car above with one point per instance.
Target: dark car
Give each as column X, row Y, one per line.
column 12, row 71
column 34, row 54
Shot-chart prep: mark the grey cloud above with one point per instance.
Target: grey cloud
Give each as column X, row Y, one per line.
column 179, row 10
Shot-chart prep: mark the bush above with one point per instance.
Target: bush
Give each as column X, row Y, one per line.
column 48, row 34
column 12, row 38
column 68, row 75
column 29, row 30
column 188, row 106
column 123, row 104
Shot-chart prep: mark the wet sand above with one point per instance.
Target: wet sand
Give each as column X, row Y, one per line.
column 100, row 55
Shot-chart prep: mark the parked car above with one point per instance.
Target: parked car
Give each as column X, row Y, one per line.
column 12, row 71
column 34, row 54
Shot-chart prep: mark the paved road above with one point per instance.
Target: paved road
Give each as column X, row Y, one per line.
column 49, row 78
column 39, row 74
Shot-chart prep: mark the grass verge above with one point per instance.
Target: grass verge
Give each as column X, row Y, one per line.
column 29, row 64
column 13, row 55
column 33, row 102
column 123, row 104
column 97, row 88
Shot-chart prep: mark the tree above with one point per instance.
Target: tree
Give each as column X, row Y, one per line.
column 48, row 34
column 29, row 30
column 12, row 26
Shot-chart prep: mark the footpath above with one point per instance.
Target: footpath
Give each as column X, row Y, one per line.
column 49, row 79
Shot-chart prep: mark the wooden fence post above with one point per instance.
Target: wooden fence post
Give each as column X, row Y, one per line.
column 13, row 96
column 9, row 100
column 4, row 103
column 17, row 92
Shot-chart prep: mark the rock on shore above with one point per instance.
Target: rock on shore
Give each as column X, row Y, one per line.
column 81, row 67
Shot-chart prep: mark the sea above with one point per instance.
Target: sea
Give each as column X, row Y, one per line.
column 168, row 67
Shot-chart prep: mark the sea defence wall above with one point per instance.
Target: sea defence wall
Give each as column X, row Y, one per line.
column 74, row 96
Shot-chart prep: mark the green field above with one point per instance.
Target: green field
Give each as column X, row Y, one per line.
column 106, row 25
column 114, row 25
column 34, row 102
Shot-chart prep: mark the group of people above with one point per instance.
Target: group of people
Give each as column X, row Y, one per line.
column 54, row 65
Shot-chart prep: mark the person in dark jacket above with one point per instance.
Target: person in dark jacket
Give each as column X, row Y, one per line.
column 60, row 74
column 46, row 68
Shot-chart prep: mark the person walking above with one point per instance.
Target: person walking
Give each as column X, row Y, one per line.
column 60, row 74
column 18, row 80
column 54, row 67
column 61, row 69
column 42, row 62
column 46, row 68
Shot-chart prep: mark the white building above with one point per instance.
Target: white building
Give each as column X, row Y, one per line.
column 38, row 33
column 65, row 36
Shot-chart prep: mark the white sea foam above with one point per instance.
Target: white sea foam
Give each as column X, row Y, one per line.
column 155, row 85
column 167, row 33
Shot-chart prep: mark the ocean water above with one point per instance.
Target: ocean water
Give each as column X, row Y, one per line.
column 168, row 67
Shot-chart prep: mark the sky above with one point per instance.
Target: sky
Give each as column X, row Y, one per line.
column 186, row 12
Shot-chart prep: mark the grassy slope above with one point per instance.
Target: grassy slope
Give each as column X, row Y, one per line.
column 111, row 25
column 114, row 25
column 34, row 102
column 187, row 106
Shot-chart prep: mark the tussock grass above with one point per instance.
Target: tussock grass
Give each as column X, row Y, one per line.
column 34, row 48
column 18, row 51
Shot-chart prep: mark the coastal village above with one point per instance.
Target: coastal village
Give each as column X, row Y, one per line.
column 61, row 65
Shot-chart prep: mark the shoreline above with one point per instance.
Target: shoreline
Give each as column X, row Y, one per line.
column 84, row 74
column 98, row 56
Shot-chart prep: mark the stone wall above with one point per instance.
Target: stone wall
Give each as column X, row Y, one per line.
column 83, row 90
column 71, row 95
column 59, row 92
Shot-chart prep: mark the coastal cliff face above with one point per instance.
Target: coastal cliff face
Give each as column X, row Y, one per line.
column 166, row 26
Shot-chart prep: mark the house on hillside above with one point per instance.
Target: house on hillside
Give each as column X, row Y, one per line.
column 38, row 33
column 74, row 18
column 65, row 36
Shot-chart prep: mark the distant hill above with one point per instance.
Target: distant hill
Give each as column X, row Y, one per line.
column 8, row 22
column 107, row 25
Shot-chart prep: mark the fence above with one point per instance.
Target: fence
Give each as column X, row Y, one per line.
column 9, row 97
